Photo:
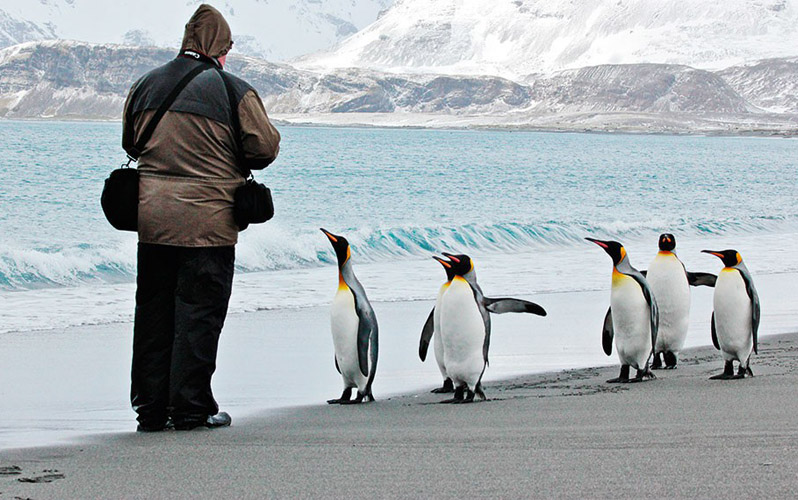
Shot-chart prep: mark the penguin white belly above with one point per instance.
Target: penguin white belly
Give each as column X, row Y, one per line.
column 437, row 341
column 631, row 321
column 668, row 282
column 344, row 323
column 463, row 334
column 733, row 316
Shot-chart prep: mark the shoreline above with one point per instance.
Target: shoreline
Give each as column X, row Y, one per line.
column 457, row 123
column 563, row 434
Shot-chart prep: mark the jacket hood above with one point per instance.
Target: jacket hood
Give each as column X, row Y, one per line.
column 207, row 32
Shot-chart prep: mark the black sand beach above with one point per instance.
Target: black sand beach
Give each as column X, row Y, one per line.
column 564, row 434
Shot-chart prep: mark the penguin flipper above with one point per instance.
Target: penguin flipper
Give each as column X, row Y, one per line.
column 652, row 306
column 714, row 333
column 755, row 307
column 366, row 333
column 336, row 364
column 507, row 304
column 426, row 335
column 607, row 333
column 701, row 279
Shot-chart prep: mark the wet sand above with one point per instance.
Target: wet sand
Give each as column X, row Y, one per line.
column 565, row 434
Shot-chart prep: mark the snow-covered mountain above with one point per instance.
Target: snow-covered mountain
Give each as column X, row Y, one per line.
column 62, row 79
column 514, row 38
column 270, row 29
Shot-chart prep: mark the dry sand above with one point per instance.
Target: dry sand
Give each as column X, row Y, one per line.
column 564, row 434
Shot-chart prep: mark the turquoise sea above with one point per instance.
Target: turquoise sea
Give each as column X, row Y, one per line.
column 519, row 202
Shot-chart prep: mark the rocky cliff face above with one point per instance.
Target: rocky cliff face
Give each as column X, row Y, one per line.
column 80, row 80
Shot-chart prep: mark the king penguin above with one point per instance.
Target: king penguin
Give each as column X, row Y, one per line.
column 670, row 282
column 464, row 328
column 735, row 319
column 354, row 329
column 633, row 317
column 431, row 329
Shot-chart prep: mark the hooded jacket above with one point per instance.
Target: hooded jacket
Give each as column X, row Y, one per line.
column 191, row 166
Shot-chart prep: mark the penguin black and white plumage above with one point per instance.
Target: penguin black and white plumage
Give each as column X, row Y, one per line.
column 735, row 318
column 464, row 328
column 670, row 282
column 633, row 317
column 354, row 329
column 431, row 329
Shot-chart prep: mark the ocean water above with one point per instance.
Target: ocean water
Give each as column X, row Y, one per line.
column 519, row 202
column 398, row 195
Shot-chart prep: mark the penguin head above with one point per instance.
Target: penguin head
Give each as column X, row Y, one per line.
column 729, row 257
column 461, row 263
column 667, row 242
column 340, row 245
column 447, row 266
column 613, row 249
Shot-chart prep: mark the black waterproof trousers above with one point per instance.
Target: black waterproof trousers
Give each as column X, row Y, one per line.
column 181, row 303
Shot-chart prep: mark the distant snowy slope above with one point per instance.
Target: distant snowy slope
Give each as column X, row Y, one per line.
column 73, row 79
column 271, row 29
column 513, row 38
column 771, row 84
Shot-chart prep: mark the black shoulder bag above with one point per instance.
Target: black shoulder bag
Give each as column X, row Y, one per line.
column 252, row 202
column 120, row 196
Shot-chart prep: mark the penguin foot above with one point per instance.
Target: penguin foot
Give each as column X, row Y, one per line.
column 744, row 372
column 728, row 372
column 642, row 376
column 361, row 398
column 448, row 387
column 670, row 360
column 469, row 398
column 345, row 396
column 657, row 364
column 459, row 395
column 480, row 393
column 623, row 377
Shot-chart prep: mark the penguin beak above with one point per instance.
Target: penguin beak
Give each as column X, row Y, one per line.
column 332, row 237
column 712, row 252
column 451, row 257
column 599, row 243
column 443, row 262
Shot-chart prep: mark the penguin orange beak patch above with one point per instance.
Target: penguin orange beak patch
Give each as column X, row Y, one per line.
column 451, row 257
column 598, row 242
column 329, row 235
column 443, row 262
column 716, row 254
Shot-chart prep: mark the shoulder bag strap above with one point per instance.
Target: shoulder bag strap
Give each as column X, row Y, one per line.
column 236, row 123
column 145, row 136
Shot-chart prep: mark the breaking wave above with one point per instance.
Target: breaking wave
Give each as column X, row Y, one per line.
column 275, row 247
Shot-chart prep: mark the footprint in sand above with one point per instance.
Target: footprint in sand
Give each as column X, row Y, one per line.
column 48, row 476
column 11, row 470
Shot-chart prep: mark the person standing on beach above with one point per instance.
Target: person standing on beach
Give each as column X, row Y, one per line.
column 188, row 172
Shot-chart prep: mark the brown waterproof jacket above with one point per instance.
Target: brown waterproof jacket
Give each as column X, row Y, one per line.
column 188, row 170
